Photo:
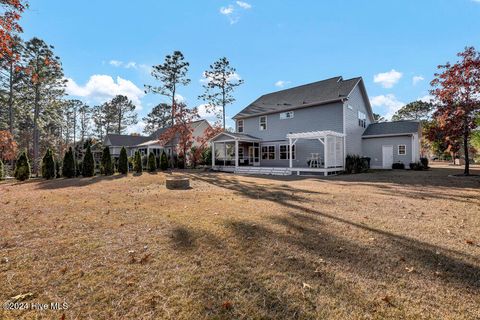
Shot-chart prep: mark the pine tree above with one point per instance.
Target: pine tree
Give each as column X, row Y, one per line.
column 68, row 169
column 151, row 162
column 138, row 162
column 22, row 167
column 48, row 165
column 106, row 164
column 2, row 170
column 88, row 164
column 123, row 161
column 164, row 161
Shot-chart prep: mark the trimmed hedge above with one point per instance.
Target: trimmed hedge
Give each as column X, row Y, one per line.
column 2, row 170
column 163, row 161
column 123, row 161
column 356, row 164
column 68, row 169
column 88, row 163
column 48, row 165
column 106, row 167
column 152, row 166
column 398, row 165
column 22, row 167
column 137, row 163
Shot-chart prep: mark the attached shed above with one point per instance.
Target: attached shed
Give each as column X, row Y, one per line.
column 386, row 143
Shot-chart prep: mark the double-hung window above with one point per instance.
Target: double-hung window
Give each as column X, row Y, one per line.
column 239, row 126
column 268, row 152
column 402, row 149
column 263, row 123
column 285, row 152
column 362, row 119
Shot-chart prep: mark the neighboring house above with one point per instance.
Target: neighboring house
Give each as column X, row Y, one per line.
column 151, row 143
column 311, row 128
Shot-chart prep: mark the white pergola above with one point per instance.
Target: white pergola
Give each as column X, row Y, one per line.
column 333, row 144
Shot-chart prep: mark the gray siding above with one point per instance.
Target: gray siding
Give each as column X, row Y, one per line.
column 353, row 131
column 372, row 147
column 303, row 151
column 324, row 117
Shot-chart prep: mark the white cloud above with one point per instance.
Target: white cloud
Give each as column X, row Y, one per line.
column 427, row 98
column 131, row 65
column 417, row 79
column 212, row 115
column 388, row 79
column 227, row 10
column 282, row 83
column 233, row 77
column 246, row 6
column 136, row 128
column 389, row 102
column 100, row 88
column 115, row 63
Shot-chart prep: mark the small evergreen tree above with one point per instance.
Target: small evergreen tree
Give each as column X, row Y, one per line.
column 164, row 161
column 152, row 166
column 22, row 167
column 106, row 165
column 88, row 163
column 138, row 162
column 48, row 165
column 2, row 170
column 123, row 161
column 68, row 170
column 58, row 168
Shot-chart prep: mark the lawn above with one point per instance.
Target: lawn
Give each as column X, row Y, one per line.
column 382, row 245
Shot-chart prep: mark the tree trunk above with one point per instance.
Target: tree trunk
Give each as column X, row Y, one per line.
column 10, row 99
column 467, row 158
column 223, row 107
column 173, row 106
column 119, row 121
column 36, row 135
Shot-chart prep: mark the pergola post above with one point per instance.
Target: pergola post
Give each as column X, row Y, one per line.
column 224, row 154
column 236, row 153
column 325, row 151
column 290, row 152
column 213, row 154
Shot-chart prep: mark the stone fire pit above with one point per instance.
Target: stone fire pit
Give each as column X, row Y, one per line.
column 178, row 183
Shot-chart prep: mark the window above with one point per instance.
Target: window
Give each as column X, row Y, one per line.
column 286, row 115
column 240, row 126
column 362, row 119
column 285, row 152
column 268, row 152
column 263, row 123
column 402, row 149
column 240, row 152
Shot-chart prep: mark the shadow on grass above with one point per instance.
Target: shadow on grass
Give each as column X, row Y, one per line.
column 76, row 182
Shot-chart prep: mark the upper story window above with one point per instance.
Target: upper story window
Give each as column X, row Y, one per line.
column 240, row 126
column 286, row 115
column 402, row 149
column 263, row 123
column 362, row 119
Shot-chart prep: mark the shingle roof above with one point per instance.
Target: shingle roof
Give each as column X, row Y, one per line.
column 239, row 136
column 316, row 93
column 125, row 140
column 159, row 131
column 392, row 128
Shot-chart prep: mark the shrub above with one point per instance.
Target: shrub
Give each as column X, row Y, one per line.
column 152, row 166
column 68, row 169
column 163, row 161
column 58, row 168
column 398, row 165
column 123, row 161
column 106, row 166
column 181, row 161
column 206, row 158
column 424, row 162
column 417, row 166
column 157, row 162
column 356, row 164
column 22, row 167
column 2, row 170
column 88, row 163
column 48, row 165
column 137, row 163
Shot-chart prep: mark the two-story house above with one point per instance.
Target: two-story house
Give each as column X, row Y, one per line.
column 311, row 128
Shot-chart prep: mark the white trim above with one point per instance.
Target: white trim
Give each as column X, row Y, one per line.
column 238, row 126
column 314, row 134
column 387, row 135
column 345, row 130
column 294, row 154
column 405, row 147
column 260, row 123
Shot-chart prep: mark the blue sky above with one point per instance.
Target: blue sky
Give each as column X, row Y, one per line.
column 107, row 47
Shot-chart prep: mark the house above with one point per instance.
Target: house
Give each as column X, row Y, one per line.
column 311, row 128
column 151, row 143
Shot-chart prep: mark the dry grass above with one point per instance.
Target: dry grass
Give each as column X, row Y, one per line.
column 385, row 245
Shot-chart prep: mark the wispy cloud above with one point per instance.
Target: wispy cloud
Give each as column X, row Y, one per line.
column 417, row 79
column 246, row 6
column 227, row 10
column 115, row 63
column 388, row 79
column 281, row 83
column 233, row 77
column 389, row 102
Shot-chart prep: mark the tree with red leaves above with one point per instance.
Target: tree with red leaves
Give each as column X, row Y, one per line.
column 12, row 11
column 8, row 146
column 457, row 91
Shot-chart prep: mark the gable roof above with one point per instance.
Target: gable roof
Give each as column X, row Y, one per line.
column 317, row 93
column 193, row 124
column 392, row 128
column 125, row 140
column 236, row 136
